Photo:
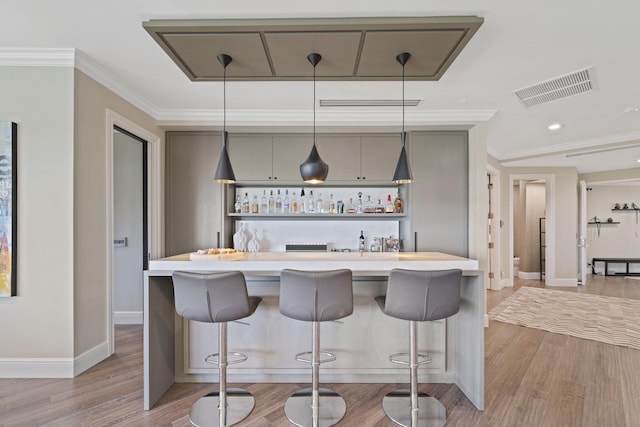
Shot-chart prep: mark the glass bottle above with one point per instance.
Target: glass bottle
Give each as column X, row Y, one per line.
column 303, row 202
column 272, row 203
column 379, row 207
column 294, row 203
column 237, row 206
column 332, row 205
column 398, row 204
column 359, row 207
column 286, row 203
column 369, row 206
column 362, row 242
column 351, row 207
column 319, row 204
column 312, row 203
column 264, row 204
column 255, row 206
column 278, row 202
column 245, row 203
column 390, row 207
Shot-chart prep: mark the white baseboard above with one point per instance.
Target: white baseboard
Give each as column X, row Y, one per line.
column 564, row 282
column 486, row 320
column 36, row 367
column 90, row 358
column 506, row 283
column 529, row 275
column 127, row 317
column 62, row 367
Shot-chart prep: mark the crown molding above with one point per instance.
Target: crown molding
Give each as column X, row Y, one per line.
column 589, row 144
column 336, row 117
column 37, row 57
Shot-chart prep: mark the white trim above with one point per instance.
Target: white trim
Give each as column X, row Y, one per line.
column 90, row 358
column 155, row 203
column 529, row 275
column 127, row 317
column 36, row 367
column 506, row 283
column 550, row 222
column 497, row 230
column 36, row 57
column 564, row 282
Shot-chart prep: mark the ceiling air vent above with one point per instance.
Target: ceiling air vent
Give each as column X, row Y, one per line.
column 369, row 102
column 565, row 86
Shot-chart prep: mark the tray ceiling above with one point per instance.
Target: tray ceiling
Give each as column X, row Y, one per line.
column 351, row 49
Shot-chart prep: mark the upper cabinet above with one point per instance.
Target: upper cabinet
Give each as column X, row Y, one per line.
column 364, row 158
column 267, row 158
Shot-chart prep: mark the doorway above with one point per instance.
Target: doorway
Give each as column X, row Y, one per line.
column 532, row 227
column 130, row 225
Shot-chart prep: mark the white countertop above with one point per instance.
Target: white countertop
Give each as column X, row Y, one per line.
column 271, row 263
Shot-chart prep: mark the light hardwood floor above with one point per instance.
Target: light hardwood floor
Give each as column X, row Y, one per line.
column 533, row 378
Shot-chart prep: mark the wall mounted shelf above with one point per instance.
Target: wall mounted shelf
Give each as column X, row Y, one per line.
column 323, row 216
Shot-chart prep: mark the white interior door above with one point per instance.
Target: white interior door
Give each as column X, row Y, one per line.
column 582, row 238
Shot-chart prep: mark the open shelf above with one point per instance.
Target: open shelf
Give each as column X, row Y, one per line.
column 323, row 216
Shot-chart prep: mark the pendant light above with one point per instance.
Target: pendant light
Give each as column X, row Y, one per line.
column 224, row 172
column 403, row 170
column 314, row 170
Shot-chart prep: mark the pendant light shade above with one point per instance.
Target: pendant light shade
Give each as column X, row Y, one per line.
column 224, row 172
column 314, row 170
column 403, row 173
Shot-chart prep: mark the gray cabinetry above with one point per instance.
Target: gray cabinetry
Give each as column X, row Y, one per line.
column 268, row 158
column 193, row 201
column 439, row 196
column 368, row 158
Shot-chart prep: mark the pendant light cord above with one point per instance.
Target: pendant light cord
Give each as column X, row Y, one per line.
column 314, row 104
column 224, row 101
column 403, row 105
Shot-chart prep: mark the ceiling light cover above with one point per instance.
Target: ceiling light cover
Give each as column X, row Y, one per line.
column 403, row 173
column 314, row 170
column 224, row 171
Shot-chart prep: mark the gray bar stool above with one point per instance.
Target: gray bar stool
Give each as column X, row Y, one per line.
column 217, row 298
column 418, row 296
column 315, row 296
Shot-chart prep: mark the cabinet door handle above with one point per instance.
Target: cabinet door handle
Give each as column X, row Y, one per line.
column 358, row 178
column 364, row 177
column 415, row 241
column 275, row 177
column 269, row 177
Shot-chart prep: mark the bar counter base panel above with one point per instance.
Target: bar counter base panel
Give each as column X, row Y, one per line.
column 206, row 411
column 174, row 348
column 331, row 409
column 431, row 412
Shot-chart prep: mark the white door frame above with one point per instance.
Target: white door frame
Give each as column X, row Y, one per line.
column 582, row 238
column 550, row 223
column 496, row 265
column 154, row 199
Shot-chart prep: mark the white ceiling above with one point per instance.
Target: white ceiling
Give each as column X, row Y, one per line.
column 519, row 44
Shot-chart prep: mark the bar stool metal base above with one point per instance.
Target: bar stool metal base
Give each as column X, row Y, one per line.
column 206, row 411
column 332, row 408
column 431, row 412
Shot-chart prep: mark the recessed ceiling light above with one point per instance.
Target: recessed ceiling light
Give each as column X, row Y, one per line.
column 554, row 126
column 632, row 110
column 638, row 160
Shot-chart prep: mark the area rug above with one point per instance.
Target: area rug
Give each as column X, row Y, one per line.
column 606, row 319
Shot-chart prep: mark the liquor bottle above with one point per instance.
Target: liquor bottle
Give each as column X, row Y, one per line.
column 398, row 204
column 389, row 208
column 350, row 207
column 237, row 206
column 332, row 205
column 303, row 202
column 264, row 206
column 245, row 203
column 379, row 207
column 255, row 206
column 319, row 204
column 278, row 202
column 311, row 204
column 272, row 203
column 369, row 206
column 359, row 207
column 294, row 203
column 361, row 246
column 286, row 203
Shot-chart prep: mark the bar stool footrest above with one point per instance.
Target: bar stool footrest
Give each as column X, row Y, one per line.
column 215, row 358
column 300, row 357
column 396, row 358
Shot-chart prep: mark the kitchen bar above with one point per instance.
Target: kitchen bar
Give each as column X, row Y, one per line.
column 174, row 349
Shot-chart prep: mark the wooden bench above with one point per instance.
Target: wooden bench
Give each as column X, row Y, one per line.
column 608, row 261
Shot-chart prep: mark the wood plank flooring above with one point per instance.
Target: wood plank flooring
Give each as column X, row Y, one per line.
column 533, row 378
